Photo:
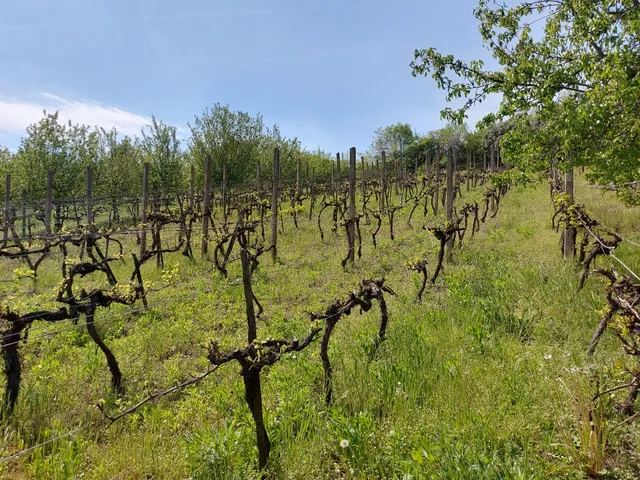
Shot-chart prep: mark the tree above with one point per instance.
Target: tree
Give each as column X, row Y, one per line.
column 393, row 139
column 290, row 152
column 230, row 138
column 161, row 149
column 450, row 137
column 6, row 160
column 51, row 146
column 119, row 171
column 583, row 66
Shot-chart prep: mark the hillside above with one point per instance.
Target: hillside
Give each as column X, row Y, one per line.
column 480, row 380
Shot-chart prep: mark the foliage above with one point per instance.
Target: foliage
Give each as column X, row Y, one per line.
column 120, row 170
column 227, row 137
column 6, row 160
column 64, row 149
column 393, row 140
column 161, row 149
column 465, row 386
column 577, row 77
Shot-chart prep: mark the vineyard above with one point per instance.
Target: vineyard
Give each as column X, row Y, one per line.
column 208, row 298
column 384, row 324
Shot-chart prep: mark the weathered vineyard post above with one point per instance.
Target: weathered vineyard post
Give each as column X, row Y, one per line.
column 450, row 197
column 493, row 159
column 299, row 178
column 455, row 163
column 49, row 202
column 24, row 214
column 364, row 190
column 145, row 203
column 307, row 178
column 224, row 191
column 338, row 179
column 427, row 169
column 7, row 208
column 468, row 171
column 436, row 166
column 554, row 171
column 352, row 203
column 364, row 185
column 192, row 189
column 89, row 181
column 395, row 174
column 333, row 179
column 274, row 204
column 258, row 186
column 493, row 170
column 383, row 194
column 206, row 204
column 570, row 231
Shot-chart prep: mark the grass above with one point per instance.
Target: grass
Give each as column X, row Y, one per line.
column 469, row 383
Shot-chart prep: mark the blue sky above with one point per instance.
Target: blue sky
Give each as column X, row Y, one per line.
column 327, row 72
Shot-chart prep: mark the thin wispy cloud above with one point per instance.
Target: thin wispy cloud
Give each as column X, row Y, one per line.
column 16, row 115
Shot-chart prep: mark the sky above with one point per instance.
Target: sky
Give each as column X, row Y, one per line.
column 329, row 73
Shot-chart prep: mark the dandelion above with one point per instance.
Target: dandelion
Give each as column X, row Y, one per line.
column 547, row 356
column 344, row 443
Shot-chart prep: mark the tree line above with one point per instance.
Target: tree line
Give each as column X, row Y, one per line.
column 234, row 141
column 569, row 79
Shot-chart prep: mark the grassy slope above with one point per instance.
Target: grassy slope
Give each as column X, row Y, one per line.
column 470, row 383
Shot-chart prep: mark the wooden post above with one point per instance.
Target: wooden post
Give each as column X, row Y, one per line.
column 395, row 174
column 493, row 159
column 333, row 181
column 338, row 170
column 493, row 170
column 224, row 190
column 206, row 204
column 427, row 169
column 7, row 208
column 307, row 178
column 364, row 182
column 299, row 178
column 24, row 214
column 468, row 171
column 383, row 195
column 274, row 204
column 89, row 197
column 49, row 202
column 455, row 164
column 143, row 214
column 352, row 203
column 192, row 188
column 450, row 198
column 436, row 166
column 570, row 232
column 258, row 185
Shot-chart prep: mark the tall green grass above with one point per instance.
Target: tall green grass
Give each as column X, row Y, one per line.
column 469, row 384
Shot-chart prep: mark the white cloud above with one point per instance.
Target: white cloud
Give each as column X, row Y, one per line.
column 16, row 115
